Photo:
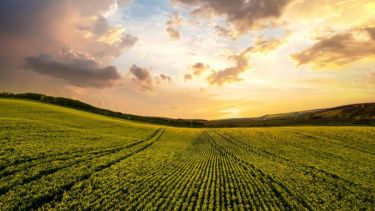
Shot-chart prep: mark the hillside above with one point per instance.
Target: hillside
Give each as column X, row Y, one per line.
column 57, row 158
column 356, row 114
column 343, row 115
column 76, row 104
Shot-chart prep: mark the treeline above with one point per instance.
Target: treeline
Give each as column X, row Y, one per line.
column 76, row 104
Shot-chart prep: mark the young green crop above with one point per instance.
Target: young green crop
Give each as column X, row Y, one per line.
column 57, row 158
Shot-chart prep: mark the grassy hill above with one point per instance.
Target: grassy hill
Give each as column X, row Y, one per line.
column 53, row 157
column 357, row 114
column 76, row 104
column 57, row 158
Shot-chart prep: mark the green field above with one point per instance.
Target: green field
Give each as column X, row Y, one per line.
column 53, row 157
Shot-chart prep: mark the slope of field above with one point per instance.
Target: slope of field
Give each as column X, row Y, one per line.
column 356, row 114
column 57, row 158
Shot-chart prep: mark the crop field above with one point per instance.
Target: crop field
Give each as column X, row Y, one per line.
column 53, row 157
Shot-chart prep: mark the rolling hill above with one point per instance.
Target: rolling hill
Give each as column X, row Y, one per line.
column 356, row 114
column 342, row 115
column 58, row 158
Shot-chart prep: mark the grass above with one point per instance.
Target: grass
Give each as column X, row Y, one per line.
column 58, row 158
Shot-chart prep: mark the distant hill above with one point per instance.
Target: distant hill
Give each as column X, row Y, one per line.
column 356, row 114
column 76, row 104
column 343, row 115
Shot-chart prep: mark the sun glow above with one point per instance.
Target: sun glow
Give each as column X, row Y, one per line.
column 185, row 59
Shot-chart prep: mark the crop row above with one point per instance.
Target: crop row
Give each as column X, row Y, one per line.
column 226, row 169
column 315, row 187
column 204, row 177
column 32, row 192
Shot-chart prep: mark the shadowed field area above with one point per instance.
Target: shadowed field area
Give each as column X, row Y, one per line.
column 60, row 158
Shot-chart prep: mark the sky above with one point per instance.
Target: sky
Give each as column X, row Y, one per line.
column 207, row 59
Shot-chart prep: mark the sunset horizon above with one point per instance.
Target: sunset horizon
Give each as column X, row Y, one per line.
column 187, row 105
column 192, row 59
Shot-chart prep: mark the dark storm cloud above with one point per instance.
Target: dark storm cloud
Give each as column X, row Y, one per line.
column 243, row 14
column 78, row 72
column 339, row 49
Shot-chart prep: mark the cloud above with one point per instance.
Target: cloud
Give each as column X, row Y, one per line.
column 28, row 27
column 371, row 77
column 175, row 20
column 339, row 49
column 230, row 74
column 371, row 31
column 173, row 33
column 78, row 72
column 30, row 17
column 107, row 49
column 166, row 78
column 197, row 69
column 67, row 53
column 242, row 14
column 112, row 36
column 200, row 68
column 241, row 63
column 225, row 31
column 188, row 77
column 262, row 45
column 162, row 78
column 142, row 78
